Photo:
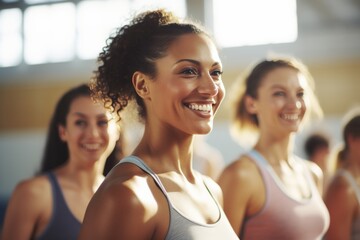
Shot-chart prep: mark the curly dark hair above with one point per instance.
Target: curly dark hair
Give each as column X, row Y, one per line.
column 135, row 47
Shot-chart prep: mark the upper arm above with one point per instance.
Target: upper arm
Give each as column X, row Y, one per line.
column 342, row 204
column 117, row 212
column 235, row 182
column 23, row 211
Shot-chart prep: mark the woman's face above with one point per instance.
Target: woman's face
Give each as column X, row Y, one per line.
column 90, row 132
column 188, row 88
column 282, row 101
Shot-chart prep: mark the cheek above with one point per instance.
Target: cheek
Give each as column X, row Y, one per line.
column 222, row 91
column 277, row 103
column 305, row 103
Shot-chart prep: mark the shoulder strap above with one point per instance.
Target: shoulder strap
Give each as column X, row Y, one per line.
column 142, row 165
column 54, row 185
column 347, row 175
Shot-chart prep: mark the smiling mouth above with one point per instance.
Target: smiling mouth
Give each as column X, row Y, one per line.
column 291, row 117
column 91, row 146
column 200, row 107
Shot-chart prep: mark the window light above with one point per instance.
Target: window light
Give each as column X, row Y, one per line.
column 243, row 22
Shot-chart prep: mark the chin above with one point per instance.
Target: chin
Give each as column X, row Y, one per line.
column 204, row 130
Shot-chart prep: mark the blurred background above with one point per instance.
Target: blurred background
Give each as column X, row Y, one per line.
column 47, row 47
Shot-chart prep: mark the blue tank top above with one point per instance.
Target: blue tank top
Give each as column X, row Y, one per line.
column 182, row 228
column 62, row 225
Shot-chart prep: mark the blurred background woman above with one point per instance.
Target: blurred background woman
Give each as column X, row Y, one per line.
column 81, row 136
column 269, row 192
column 343, row 195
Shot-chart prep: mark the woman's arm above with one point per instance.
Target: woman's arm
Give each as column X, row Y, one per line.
column 121, row 210
column 341, row 203
column 24, row 209
column 238, row 182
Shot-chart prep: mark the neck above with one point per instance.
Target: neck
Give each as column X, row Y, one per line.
column 85, row 178
column 275, row 150
column 165, row 152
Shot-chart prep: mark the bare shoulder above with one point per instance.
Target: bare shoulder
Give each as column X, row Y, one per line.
column 127, row 199
column 35, row 190
column 339, row 188
column 242, row 174
column 240, row 170
column 29, row 205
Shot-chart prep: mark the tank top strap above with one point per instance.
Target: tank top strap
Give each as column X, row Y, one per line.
column 58, row 198
column 347, row 175
column 53, row 181
column 300, row 164
column 57, row 193
column 257, row 156
column 142, row 165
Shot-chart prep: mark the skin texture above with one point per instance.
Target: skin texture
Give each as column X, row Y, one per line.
column 129, row 205
column 90, row 136
column 280, row 106
column 340, row 198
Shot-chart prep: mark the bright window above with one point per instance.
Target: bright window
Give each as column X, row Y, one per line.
column 96, row 21
column 10, row 37
column 49, row 32
column 243, row 22
column 56, row 32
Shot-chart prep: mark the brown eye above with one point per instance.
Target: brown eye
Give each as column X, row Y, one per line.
column 103, row 123
column 279, row 94
column 80, row 123
column 190, row 72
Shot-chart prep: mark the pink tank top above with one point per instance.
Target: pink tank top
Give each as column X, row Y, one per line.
column 282, row 216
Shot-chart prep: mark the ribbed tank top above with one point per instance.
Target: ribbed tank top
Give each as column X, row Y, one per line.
column 355, row 228
column 282, row 216
column 182, row 228
column 63, row 224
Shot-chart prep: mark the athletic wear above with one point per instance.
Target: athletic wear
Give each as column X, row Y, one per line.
column 355, row 228
column 62, row 225
column 282, row 216
column 182, row 228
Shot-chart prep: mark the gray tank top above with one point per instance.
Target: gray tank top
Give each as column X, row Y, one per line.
column 182, row 228
column 355, row 229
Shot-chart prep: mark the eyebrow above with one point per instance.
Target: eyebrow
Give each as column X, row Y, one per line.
column 195, row 62
column 85, row 116
column 282, row 87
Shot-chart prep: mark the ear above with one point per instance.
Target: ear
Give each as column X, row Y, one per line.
column 250, row 104
column 62, row 133
column 140, row 83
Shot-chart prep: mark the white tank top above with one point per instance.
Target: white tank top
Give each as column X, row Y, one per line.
column 183, row 228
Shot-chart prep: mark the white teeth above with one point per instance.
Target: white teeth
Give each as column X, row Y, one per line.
column 91, row 146
column 200, row 107
column 291, row 116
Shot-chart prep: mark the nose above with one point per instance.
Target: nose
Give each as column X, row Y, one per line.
column 295, row 102
column 208, row 86
column 93, row 130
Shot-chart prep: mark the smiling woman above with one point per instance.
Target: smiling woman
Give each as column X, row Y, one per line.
column 81, row 137
column 269, row 193
column 173, row 71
